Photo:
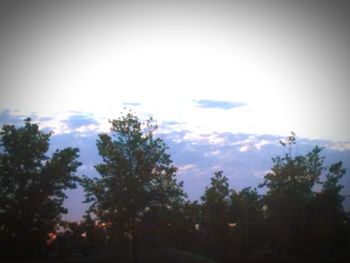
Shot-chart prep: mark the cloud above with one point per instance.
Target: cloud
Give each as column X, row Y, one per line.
column 198, row 157
column 244, row 158
column 225, row 105
column 170, row 127
column 214, row 153
column 171, row 123
column 185, row 168
column 9, row 117
column 339, row 145
column 133, row 104
column 253, row 144
column 210, row 138
column 55, row 124
column 13, row 118
column 80, row 120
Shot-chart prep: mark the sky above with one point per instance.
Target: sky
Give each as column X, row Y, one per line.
column 225, row 80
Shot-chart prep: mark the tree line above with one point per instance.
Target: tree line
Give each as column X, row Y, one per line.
column 138, row 202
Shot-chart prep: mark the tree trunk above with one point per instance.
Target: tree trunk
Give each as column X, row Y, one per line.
column 133, row 258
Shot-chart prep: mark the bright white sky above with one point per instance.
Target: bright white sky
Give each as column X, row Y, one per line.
column 288, row 66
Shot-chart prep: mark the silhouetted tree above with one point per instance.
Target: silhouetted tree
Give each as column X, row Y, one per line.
column 328, row 226
column 32, row 186
column 292, row 200
column 247, row 218
column 137, row 178
column 192, row 221
column 216, row 214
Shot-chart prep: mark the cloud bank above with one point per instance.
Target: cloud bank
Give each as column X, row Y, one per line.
column 225, row 105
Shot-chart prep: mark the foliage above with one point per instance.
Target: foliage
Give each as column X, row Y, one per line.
column 215, row 213
column 328, row 229
column 137, row 179
column 295, row 211
column 137, row 198
column 32, row 185
column 192, row 220
column 246, row 213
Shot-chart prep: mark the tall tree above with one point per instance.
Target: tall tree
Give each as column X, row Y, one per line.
column 290, row 191
column 246, row 213
column 137, row 177
column 291, row 196
column 216, row 215
column 328, row 228
column 32, row 185
column 192, row 220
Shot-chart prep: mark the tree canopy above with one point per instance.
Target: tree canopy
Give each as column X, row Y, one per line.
column 216, row 208
column 137, row 178
column 32, row 185
column 136, row 199
column 297, row 212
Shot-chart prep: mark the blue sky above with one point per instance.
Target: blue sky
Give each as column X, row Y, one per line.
column 225, row 80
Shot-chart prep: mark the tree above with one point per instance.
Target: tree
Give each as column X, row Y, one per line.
column 32, row 185
column 246, row 213
column 290, row 191
column 216, row 208
column 292, row 201
column 192, row 219
column 137, row 178
column 328, row 230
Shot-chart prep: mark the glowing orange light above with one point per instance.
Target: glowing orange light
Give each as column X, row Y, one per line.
column 52, row 237
column 231, row 225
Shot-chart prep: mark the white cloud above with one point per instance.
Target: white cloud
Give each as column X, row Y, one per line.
column 215, row 153
column 245, row 148
column 261, row 143
column 86, row 129
column 186, row 168
column 213, row 138
column 339, row 146
column 252, row 143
